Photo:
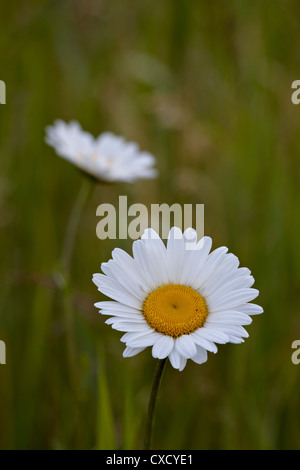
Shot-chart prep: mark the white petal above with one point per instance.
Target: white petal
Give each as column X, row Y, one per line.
column 236, row 340
column 185, row 346
column 231, row 299
column 140, row 340
column 140, row 257
column 118, row 309
column 218, row 285
column 131, row 313
column 182, row 363
column 204, row 343
column 115, row 306
column 177, row 361
column 129, row 352
column 130, row 320
column 230, row 317
column 198, row 258
column 150, row 234
column 137, row 316
column 131, row 269
column 103, row 281
column 189, row 264
column 212, row 335
column 227, row 267
column 155, row 255
column 175, row 358
column 251, row 309
column 129, row 326
column 190, row 238
column 116, row 292
column 211, row 264
column 230, row 330
column 201, row 355
column 162, row 347
column 175, row 255
column 116, row 271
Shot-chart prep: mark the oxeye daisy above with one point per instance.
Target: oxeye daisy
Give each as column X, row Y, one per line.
column 181, row 299
column 107, row 157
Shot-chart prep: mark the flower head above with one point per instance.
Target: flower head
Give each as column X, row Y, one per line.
column 179, row 299
column 107, row 157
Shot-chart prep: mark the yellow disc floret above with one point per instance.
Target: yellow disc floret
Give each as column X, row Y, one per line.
column 175, row 310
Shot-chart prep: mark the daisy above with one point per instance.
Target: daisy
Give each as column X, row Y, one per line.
column 107, row 157
column 180, row 299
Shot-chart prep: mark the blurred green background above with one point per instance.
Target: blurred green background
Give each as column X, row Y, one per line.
column 205, row 87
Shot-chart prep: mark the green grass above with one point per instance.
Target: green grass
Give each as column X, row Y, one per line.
column 205, row 87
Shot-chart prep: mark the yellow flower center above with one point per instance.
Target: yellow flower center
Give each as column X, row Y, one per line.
column 175, row 310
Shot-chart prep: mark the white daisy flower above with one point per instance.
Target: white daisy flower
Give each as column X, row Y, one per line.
column 180, row 300
column 107, row 157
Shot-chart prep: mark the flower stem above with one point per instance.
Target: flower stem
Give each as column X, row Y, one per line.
column 65, row 285
column 73, row 224
column 152, row 402
column 66, row 259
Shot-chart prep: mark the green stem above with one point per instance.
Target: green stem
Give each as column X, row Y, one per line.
column 73, row 224
column 152, row 403
column 66, row 258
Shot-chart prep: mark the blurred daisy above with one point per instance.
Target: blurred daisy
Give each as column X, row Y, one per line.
column 107, row 157
column 180, row 300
